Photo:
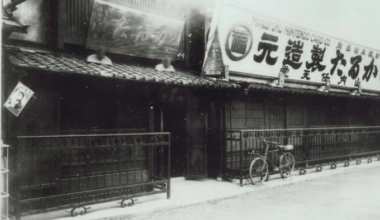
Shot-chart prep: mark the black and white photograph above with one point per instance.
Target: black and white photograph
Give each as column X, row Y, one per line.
column 190, row 109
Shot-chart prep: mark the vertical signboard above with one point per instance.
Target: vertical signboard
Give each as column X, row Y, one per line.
column 214, row 63
column 257, row 45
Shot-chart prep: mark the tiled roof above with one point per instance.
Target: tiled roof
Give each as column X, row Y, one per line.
column 70, row 64
column 12, row 24
column 65, row 63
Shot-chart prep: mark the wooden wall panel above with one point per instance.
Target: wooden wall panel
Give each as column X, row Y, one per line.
column 102, row 115
column 296, row 115
column 275, row 115
column 300, row 112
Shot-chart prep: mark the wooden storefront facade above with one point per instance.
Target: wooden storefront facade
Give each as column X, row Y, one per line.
column 324, row 129
column 85, row 133
column 128, row 129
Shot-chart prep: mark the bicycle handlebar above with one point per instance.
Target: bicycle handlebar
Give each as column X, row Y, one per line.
column 253, row 151
column 270, row 142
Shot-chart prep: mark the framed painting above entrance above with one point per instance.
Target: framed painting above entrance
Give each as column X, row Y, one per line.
column 132, row 31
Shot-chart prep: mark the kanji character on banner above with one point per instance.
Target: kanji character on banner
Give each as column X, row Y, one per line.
column 293, row 54
column 267, row 49
column 316, row 57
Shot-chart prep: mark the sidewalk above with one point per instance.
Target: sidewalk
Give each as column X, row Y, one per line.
column 190, row 192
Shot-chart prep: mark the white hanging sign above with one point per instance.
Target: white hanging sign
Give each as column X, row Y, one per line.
column 18, row 99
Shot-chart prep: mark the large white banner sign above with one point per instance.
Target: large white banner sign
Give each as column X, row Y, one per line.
column 256, row 45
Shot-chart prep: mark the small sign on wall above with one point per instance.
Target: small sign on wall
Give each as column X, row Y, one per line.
column 18, row 99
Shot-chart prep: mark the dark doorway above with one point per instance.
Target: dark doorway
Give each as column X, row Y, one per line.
column 174, row 121
column 197, row 139
column 213, row 140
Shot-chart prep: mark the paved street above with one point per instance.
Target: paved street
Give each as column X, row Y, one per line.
column 345, row 196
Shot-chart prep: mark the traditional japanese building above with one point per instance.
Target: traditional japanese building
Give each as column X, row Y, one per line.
column 300, row 87
column 82, row 123
column 121, row 128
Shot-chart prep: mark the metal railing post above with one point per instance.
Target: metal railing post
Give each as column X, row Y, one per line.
column 169, row 155
column 314, row 147
column 17, row 179
column 241, row 158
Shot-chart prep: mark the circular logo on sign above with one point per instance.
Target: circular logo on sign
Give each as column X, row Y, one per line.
column 239, row 42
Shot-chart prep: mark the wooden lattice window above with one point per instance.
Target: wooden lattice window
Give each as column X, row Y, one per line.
column 254, row 114
column 275, row 115
column 100, row 115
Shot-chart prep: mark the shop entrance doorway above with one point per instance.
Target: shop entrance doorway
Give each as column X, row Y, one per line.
column 174, row 121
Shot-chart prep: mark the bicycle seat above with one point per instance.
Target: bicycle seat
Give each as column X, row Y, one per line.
column 285, row 147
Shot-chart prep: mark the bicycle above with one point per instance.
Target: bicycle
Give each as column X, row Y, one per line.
column 258, row 169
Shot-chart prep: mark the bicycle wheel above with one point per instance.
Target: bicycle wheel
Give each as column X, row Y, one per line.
column 258, row 170
column 287, row 163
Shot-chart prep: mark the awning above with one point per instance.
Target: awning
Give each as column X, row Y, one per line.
column 256, row 83
column 66, row 63
column 308, row 91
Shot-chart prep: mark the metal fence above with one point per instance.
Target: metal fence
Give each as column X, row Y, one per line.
column 313, row 147
column 74, row 171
